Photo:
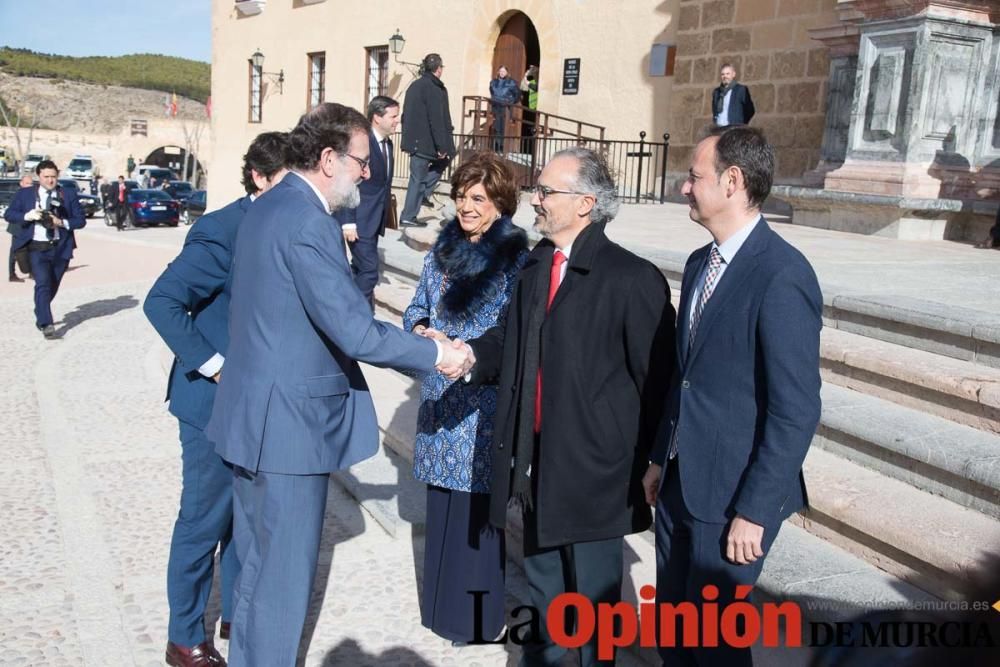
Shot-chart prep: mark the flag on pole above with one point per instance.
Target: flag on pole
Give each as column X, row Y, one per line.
column 208, row 106
column 166, row 105
column 173, row 105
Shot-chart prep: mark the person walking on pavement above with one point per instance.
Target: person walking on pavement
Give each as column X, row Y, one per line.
column 503, row 94
column 119, row 202
column 427, row 137
column 189, row 307
column 47, row 216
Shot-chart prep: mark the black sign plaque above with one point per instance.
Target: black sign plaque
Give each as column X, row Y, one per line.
column 571, row 76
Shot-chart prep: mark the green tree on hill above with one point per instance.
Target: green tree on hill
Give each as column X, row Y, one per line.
column 188, row 78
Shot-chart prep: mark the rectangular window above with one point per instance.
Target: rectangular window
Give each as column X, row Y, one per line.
column 377, row 59
column 256, row 93
column 317, row 79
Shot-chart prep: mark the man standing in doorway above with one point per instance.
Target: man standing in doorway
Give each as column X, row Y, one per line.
column 427, row 137
column 503, row 95
column 731, row 103
column 365, row 224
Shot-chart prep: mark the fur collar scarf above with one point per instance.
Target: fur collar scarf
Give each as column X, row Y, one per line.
column 472, row 267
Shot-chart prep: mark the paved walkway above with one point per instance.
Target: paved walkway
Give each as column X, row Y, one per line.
column 94, row 468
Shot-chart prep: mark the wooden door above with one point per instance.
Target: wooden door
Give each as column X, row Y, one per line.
column 510, row 50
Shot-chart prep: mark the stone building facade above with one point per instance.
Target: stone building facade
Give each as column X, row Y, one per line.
column 626, row 84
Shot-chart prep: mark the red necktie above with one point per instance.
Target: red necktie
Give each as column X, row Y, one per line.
column 121, row 193
column 555, row 273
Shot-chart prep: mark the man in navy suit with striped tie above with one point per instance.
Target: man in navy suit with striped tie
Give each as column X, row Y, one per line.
column 362, row 226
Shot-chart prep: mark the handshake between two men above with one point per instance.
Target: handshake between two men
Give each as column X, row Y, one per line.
column 457, row 358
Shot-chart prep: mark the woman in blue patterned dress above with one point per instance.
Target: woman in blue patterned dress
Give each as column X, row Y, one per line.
column 464, row 289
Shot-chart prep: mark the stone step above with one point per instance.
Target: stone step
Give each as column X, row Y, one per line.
column 933, row 454
column 828, row 582
column 927, row 540
column 959, row 391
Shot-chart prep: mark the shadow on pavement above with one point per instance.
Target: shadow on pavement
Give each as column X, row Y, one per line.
column 99, row 308
column 349, row 652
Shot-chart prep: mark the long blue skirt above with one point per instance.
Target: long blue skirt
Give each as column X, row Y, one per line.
column 462, row 553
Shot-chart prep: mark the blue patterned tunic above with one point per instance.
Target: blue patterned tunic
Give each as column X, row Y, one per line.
column 455, row 420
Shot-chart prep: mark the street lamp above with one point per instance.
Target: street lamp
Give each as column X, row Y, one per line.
column 278, row 77
column 396, row 44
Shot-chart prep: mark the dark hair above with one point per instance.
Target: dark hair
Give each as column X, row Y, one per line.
column 267, row 156
column 747, row 149
column 328, row 125
column 725, row 65
column 45, row 164
column 497, row 179
column 120, row 177
column 430, row 63
column 379, row 105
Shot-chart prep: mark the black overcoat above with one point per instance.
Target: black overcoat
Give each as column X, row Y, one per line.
column 606, row 349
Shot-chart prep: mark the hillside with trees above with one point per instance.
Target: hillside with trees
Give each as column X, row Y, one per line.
column 187, row 78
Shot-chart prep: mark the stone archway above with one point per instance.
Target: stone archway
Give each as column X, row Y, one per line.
column 517, row 48
column 174, row 157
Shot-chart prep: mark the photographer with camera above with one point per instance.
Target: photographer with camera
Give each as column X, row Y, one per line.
column 47, row 216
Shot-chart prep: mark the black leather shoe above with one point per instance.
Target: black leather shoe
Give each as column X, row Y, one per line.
column 49, row 331
column 202, row 655
column 224, row 628
column 15, row 279
column 412, row 223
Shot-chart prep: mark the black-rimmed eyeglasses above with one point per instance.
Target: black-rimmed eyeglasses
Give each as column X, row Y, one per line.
column 364, row 164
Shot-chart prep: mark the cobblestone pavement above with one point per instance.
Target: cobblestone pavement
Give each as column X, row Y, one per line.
column 93, row 478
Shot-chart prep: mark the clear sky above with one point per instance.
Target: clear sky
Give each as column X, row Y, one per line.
column 180, row 28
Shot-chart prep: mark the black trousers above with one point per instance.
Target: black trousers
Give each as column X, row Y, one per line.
column 18, row 259
column 691, row 554
column 592, row 569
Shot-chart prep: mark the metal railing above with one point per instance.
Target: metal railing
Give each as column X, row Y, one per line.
column 478, row 111
column 636, row 166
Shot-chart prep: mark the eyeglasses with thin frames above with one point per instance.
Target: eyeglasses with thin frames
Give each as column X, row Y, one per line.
column 544, row 191
column 364, row 164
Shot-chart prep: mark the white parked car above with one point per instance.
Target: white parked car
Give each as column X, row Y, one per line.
column 81, row 167
column 31, row 161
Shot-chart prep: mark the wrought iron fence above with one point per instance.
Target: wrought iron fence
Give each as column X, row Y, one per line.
column 636, row 166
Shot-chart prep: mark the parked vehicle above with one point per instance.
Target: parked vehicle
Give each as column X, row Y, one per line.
column 8, row 188
column 161, row 174
column 91, row 204
column 179, row 190
column 81, row 167
column 152, row 207
column 31, row 161
column 194, row 207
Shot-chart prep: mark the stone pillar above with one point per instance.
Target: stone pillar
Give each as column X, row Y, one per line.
column 919, row 99
column 842, row 41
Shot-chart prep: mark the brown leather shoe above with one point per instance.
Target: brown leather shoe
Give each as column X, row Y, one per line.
column 202, row 655
column 224, row 630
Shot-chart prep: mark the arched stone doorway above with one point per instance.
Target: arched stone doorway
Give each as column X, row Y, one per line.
column 174, row 157
column 517, row 48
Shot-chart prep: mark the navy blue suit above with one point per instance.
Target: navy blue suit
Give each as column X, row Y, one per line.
column 370, row 217
column 189, row 307
column 47, row 264
column 741, row 109
column 293, row 405
column 744, row 404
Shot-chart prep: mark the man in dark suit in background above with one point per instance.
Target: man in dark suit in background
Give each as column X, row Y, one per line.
column 293, row 405
column 745, row 401
column 118, row 193
column 365, row 224
column 47, row 215
column 583, row 361
column 427, row 137
column 731, row 102
column 189, row 307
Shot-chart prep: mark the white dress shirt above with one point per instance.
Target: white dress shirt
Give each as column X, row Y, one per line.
column 728, row 250
column 39, row 231
column 723, row 118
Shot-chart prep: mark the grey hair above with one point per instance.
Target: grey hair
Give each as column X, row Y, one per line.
column 594, row 176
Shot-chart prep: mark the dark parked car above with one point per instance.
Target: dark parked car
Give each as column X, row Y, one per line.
column 179, row 190
column 152, row 207
column 194, row 207
column 8, row 188
column 91, row 204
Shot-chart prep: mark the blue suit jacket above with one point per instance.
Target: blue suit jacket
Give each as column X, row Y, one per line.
column 745, row 399
column 70, row 210
column 189, row 307
column 292, row 397
column 370, row 216
column 741, row 109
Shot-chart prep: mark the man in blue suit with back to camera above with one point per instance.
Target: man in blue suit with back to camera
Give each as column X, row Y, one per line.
column 293, row 405
column 46, row 215
column 365, row 224
column 744, row 403
column 189, row 307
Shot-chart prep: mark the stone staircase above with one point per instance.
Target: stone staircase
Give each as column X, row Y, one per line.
column 904, row 472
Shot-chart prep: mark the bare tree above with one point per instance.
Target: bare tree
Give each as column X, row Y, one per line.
column 16, row 121
column 192, row 143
